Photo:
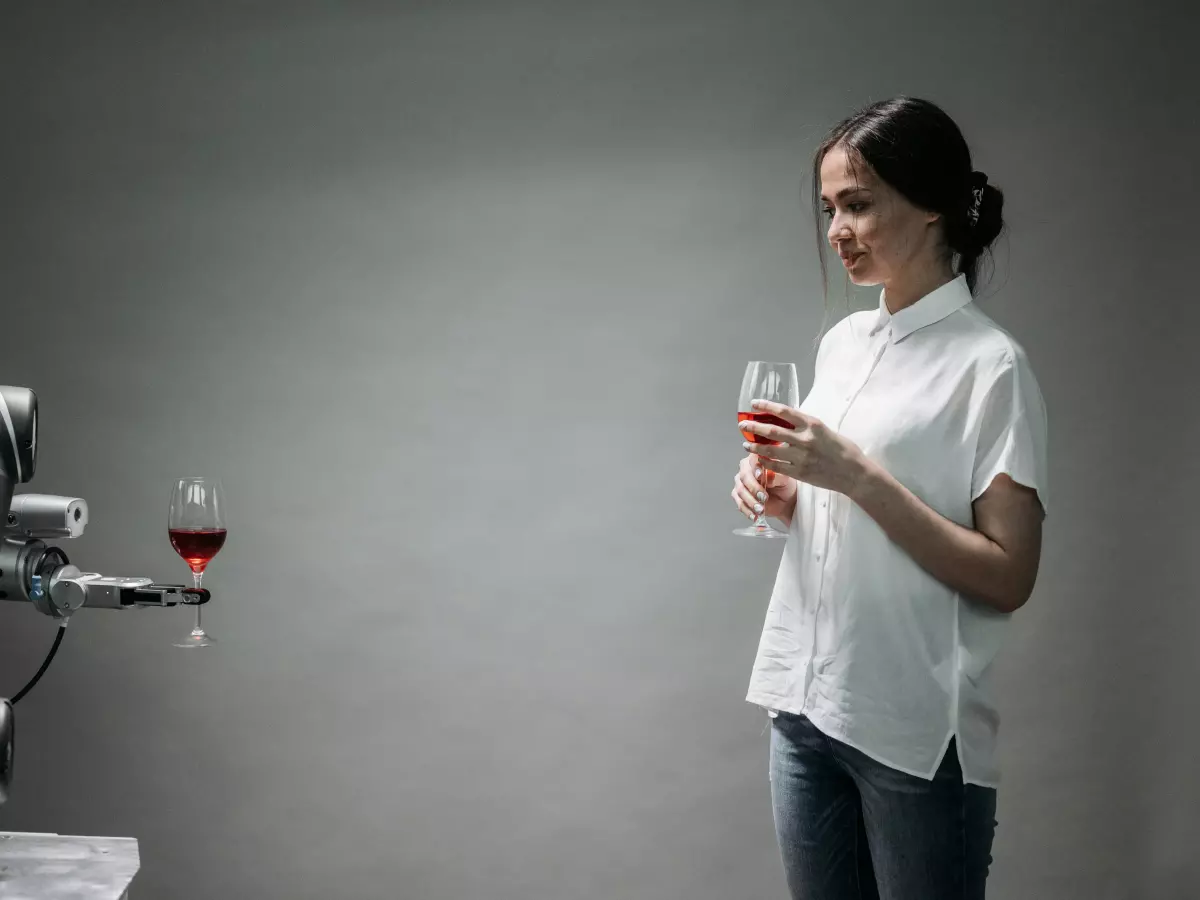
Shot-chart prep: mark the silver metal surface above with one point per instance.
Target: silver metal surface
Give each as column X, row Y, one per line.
column 47, row 516
column 66, row 592
column 65, row 867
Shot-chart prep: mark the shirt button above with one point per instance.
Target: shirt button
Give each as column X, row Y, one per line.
column 823, row 502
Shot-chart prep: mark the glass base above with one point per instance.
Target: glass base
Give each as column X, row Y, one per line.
column 197, row 639
column 760, row 531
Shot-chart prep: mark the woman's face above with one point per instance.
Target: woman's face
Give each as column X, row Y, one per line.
column 876, row 231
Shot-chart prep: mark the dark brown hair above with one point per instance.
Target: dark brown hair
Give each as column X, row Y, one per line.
column 916, row 148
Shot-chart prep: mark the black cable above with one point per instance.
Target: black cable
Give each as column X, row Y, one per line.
column 45, row 665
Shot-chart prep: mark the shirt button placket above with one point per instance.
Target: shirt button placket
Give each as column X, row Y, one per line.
column 821, row 538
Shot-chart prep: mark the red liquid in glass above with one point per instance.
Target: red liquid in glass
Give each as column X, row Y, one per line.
column 197, row 545
column 765, row 419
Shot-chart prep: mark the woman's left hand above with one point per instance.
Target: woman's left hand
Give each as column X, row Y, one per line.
column 810, row 451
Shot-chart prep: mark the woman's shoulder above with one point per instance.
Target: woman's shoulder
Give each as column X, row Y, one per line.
column 989, row 342
column 999, row 361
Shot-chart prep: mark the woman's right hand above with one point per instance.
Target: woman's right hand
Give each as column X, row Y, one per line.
column 778, row 500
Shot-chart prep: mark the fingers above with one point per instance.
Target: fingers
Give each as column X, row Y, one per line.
column 750, row 471
column 776, row 433
column 774, row 453
column 749, row 507
column 759, row 478
column 752, row 486
column 749, row 495
column 787, row 413
column 780, row 467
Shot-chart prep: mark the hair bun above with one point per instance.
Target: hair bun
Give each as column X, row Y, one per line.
column 985, row 207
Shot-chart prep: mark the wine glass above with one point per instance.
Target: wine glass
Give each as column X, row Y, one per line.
column 196, row 526
column 778, row 383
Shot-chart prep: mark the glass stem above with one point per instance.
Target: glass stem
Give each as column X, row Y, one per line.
column 760, row 520
column 196, row 577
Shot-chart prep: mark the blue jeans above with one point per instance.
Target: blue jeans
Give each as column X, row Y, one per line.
column 851, row 828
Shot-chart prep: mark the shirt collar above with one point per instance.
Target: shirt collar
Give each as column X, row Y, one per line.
column 933, row 307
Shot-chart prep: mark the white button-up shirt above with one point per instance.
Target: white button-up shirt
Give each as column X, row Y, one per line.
column 868, row 645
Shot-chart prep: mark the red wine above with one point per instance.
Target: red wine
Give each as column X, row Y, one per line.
column 764, row 419
column 197, row 545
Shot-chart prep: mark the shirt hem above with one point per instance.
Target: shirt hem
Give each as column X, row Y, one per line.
column 821, row 721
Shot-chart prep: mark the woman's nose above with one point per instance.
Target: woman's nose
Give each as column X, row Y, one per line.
column 839, row 230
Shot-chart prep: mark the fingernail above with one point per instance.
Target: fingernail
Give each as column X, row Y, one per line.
column 762, row 496
column 758, row 507
column 746, row 444
column 758, row 473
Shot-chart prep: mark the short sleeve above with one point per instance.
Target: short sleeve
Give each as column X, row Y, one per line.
column 1012, row 430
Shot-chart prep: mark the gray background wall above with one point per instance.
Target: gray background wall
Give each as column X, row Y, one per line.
column 456, row 297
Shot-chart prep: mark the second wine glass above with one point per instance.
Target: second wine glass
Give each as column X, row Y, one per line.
column 196, row 526
column 778, row 383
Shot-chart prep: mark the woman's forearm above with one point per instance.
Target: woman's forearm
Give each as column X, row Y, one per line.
column 962, row 558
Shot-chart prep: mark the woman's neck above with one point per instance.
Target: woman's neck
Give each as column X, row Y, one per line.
column 911, row 285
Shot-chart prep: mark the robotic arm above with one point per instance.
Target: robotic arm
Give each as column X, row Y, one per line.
column 43, row 575
column 29, row 569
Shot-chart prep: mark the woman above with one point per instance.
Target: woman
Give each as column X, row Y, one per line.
column 912, row 481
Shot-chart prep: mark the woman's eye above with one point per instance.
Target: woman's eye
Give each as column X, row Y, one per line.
column 856, row 207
